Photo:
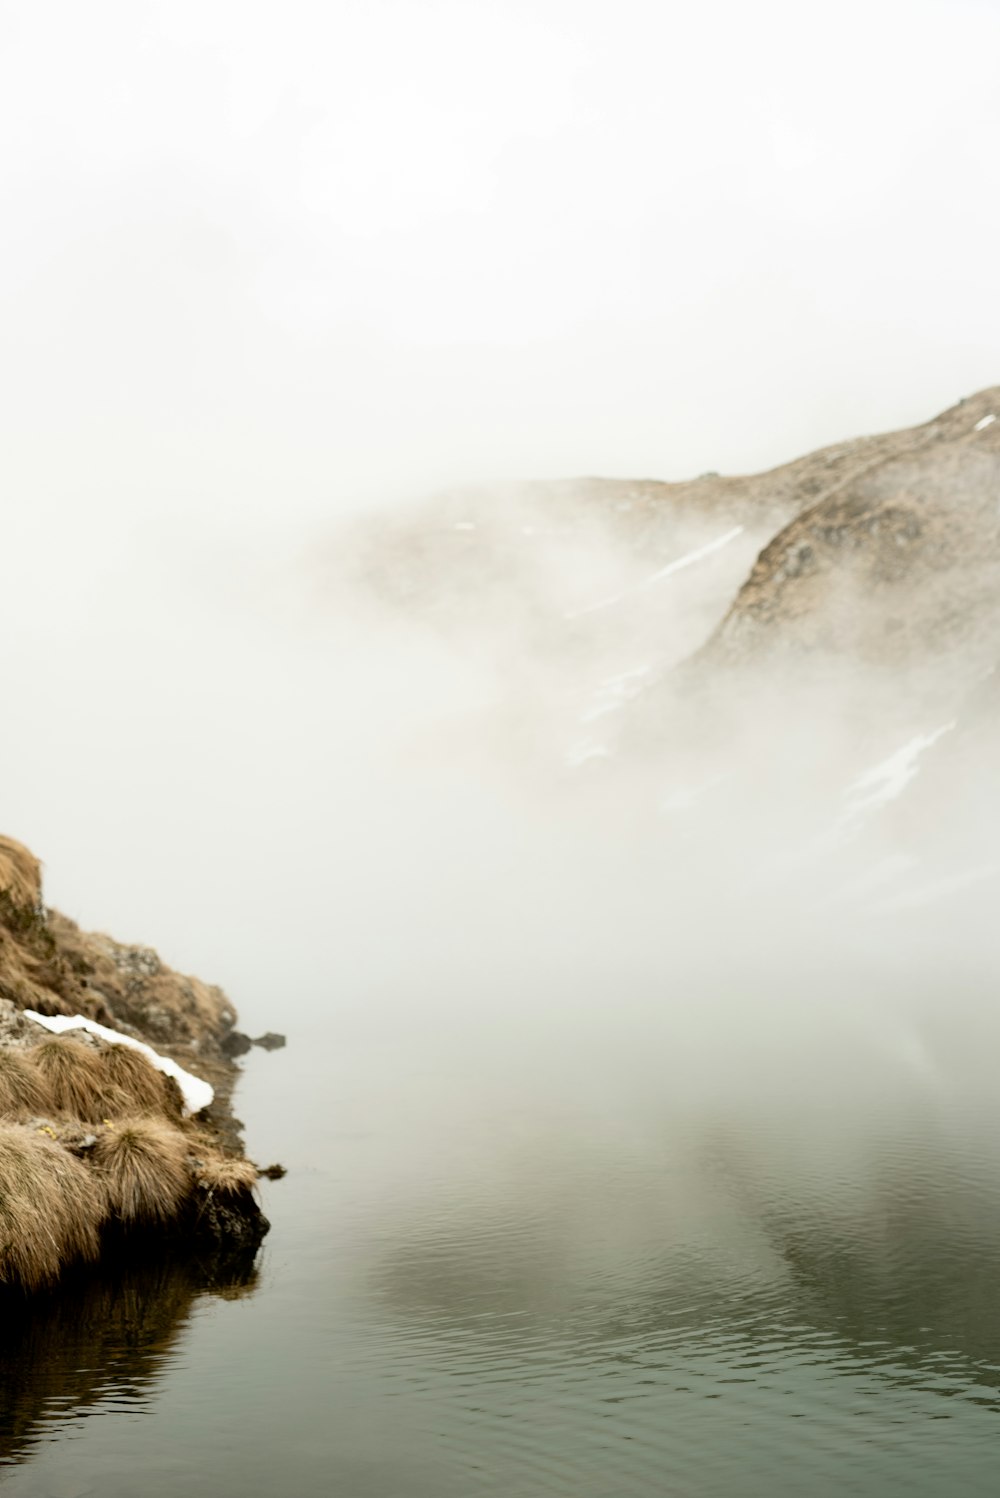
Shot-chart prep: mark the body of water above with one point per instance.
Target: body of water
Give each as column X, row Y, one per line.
column 529, row 1300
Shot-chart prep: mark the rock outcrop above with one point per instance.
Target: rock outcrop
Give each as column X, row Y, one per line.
column 119, row 1124
column 808, row 656
column 827, row 547
column 882, row 551
column 898, row 564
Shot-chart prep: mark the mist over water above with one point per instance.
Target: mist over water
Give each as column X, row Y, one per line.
column 335, row 809
column 617, row 1093
column 639, row 1102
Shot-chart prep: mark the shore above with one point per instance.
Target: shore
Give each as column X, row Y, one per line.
column 116, row 1077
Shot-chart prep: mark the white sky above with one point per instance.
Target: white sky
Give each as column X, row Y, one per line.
column 262, row 264
column 268, row 261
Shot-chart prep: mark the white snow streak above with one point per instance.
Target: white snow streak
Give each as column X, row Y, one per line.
column 887, row 780
column 686, row 561
column 986, row 421
column 615, row 691
column 196, row 1093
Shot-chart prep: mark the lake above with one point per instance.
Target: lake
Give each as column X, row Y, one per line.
column 489, row 1281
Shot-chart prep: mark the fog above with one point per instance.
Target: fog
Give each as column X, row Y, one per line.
column 263, row 275
column 260, row 267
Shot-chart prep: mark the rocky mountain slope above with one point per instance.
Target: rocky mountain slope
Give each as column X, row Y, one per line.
column 779, row 546
column 897, row 563
column 807, row 656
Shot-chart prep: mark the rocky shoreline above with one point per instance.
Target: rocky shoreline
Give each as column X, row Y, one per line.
column 116, row 1077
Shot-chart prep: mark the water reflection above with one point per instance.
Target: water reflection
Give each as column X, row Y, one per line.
column 104, row 1338
column 739, row 1279
column 738, row 1308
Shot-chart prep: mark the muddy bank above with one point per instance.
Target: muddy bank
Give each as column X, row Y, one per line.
column 116, row 1078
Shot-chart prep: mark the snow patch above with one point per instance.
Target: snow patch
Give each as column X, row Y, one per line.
column 887, row 780
column 986, row 421
column 196, row 1093
column 615, row 691
column 677, row 566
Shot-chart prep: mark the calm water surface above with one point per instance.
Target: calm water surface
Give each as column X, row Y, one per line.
column 489, row 1300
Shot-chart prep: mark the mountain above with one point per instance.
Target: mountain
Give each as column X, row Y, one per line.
column 897, row 562
column 882, row 545
column 794, row 671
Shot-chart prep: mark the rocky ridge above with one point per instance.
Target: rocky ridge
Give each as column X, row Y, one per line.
column 823, row 637
column 919, row 503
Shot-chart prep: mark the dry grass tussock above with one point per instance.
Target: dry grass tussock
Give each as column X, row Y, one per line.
column 25, row 974
column 23, row 1092
column 132, row 1084
column 143, row 1165
column 73, row 1075
column 20, row 874
column 51, row 1207
column 226, row 1177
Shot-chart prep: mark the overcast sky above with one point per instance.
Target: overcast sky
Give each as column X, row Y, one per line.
column 272, row 261
column 261, row 265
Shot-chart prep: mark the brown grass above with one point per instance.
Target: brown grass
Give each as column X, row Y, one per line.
column 133, row 1083
column 142, row 1163
column 223, row 1177
column 24, row 975
column 72, row 1072
column 23, row 1092
column 51, row 1208
column 20, row 874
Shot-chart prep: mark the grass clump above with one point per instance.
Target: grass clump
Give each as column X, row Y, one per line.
column 226, row 1177
column 23, row 1093
column 73, row 1075
column 51, row 1208
column 142, row 1164
column 132, row 1084
column 20, row 875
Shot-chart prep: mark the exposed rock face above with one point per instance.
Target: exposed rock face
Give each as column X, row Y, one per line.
column 898, row 563
column 788, row 652
column 883, row 552
column 817, row 535
column 69, row 971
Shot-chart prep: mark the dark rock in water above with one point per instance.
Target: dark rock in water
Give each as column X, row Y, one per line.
column 235, row 1044
column 273, row 1172
column 269, row 1041
column 233, row 1222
